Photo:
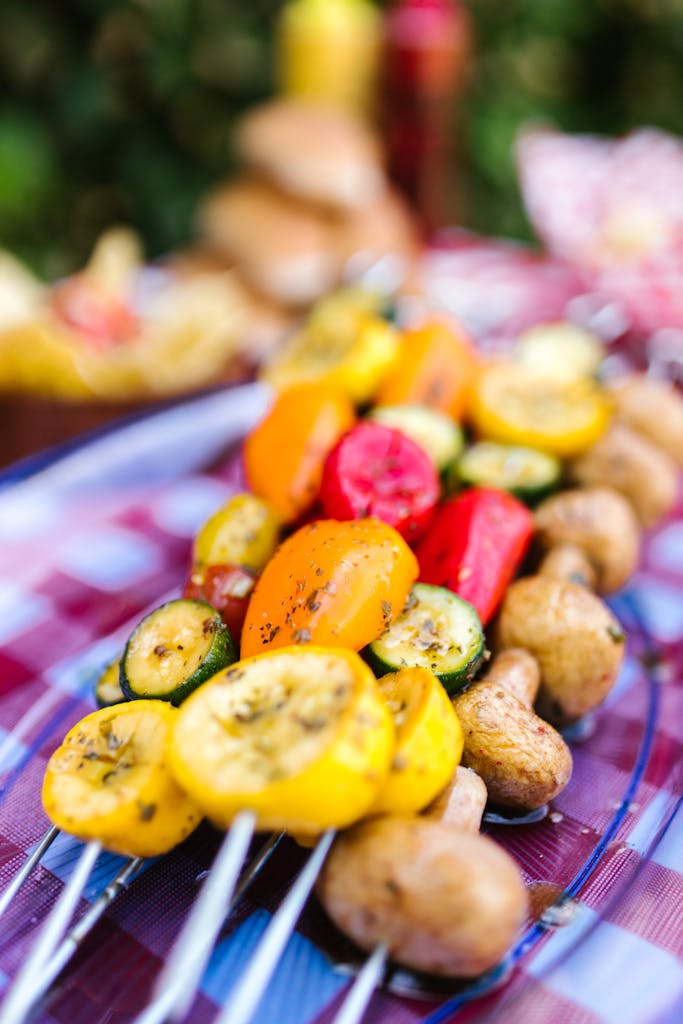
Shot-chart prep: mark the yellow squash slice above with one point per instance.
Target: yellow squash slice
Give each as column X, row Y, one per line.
column 108, row 686
column 110, row 781
column 299, row 735
column 519, row 405
column 429, row 741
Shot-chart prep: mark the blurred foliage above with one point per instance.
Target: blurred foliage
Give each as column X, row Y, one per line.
column 117, row 110
column 604, row 66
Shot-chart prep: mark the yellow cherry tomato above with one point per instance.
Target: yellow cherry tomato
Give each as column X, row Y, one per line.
column 245, row 531
column 300, row 736
column 429, row 741
column 514, row 404
column 339, row 584
column 353, row 355
column 110, row 780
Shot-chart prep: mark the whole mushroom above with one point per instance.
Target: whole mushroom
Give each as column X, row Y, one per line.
column 569, row 562
column 462, row 802
column 573, row 635
column 600, row 522
column 441, row 899
column 523, row 760
column 653, row 408
column 634, row 466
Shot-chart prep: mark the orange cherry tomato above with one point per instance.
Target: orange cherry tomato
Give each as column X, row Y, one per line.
column 337, row 584
column 285, row 453
column 436, row 366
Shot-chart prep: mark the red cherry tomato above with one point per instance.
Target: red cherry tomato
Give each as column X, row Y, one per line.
column 377, row 471
column 227, row 588
column 474, row 546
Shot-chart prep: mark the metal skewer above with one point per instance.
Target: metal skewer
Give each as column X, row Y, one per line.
column 47, row 963
column 176, row 985
column 82, row 928
column 248, row 992
column 26, row 869
column 359, row 995
column 21, row 996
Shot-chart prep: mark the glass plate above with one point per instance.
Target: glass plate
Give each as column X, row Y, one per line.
column 91, row 538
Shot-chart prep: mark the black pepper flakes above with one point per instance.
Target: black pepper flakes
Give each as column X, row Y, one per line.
column 146, row 811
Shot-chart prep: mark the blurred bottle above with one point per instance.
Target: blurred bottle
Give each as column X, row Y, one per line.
column 329, row 50
column 427, row 49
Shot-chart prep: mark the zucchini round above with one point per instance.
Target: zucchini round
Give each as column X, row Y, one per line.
column 437, row 630
column 525, row 472
column 108, row 686
column 438, row 435
column 175, row 649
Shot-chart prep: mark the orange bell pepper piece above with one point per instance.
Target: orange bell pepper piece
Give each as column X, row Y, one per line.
column 285, row 453
column 337, row 584
column 435, row 367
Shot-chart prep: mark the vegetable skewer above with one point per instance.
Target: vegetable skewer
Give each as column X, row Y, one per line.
column 304, row 641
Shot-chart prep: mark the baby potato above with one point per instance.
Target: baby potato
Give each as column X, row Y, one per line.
column 443, row 900
column 634, row 466
column 654, row 409
column 601, row 522
column 576, row 640
column 523, row 761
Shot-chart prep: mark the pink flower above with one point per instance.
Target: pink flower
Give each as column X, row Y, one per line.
column 614, row 210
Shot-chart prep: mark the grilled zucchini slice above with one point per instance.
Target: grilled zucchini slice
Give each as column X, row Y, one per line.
column 525, row 472
column 437, row 630
column 438, row 435
column 174, row 650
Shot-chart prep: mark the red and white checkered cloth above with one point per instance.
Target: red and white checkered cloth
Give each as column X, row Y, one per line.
column 88, row 544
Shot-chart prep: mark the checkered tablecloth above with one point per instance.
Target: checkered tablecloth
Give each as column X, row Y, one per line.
column 87, row 544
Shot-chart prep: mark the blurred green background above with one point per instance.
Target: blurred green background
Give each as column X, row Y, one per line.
column 116, row 110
